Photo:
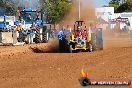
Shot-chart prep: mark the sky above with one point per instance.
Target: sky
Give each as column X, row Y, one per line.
column 99, row 3
column 96, row 3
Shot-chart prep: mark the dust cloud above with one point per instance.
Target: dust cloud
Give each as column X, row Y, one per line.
column 87, row 13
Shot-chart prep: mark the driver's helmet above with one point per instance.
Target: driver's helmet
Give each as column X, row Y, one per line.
column 79, row 27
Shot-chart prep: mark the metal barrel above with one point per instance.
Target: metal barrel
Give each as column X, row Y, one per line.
column 100, row 38
column 93, row 40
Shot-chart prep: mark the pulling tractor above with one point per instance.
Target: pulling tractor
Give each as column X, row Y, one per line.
column 31, row 26
column 81, row 38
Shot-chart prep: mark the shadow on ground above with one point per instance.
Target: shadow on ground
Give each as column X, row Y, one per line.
column 42, row 50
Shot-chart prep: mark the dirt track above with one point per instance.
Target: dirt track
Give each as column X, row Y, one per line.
column 20, row 67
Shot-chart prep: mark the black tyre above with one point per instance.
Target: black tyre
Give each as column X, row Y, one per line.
column 46, row 37
column 46, row 34
column 61, row 46
column 37, row 36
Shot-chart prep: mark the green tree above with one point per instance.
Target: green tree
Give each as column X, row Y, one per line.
column 114, row 3
column 125, row 7
column 55, row 10
column 129, row 3
column 9, row 6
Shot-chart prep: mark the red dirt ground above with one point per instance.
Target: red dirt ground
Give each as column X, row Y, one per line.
column 20, row 67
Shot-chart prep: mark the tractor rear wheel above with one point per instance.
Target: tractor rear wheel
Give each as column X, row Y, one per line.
column 46, row 37
column 37, row 35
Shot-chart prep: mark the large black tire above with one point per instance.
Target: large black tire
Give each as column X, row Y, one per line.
column 37, row 36
column 64, row 46
column 46, row 34
column 46, row 37
column 61, row 46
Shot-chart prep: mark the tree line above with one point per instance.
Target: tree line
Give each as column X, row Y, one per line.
column 54, row 10
column 126, row 6
column 9, row 7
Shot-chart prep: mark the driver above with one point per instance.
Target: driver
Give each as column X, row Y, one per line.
column 77, row 32
column 29, row 17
